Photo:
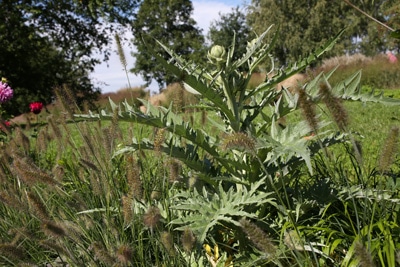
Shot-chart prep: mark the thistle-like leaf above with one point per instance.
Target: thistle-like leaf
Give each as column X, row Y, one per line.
column 296, row 67
column 204, row 210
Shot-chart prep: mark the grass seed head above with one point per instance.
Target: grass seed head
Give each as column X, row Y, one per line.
column 258, row 237
column 159, row 139
column 127, row 209
column 12, row 251
column 102, row 254
column 168, row 242
column 389, row 150
column 38, row 207
column 335, row 106
column 125, row 254
column 188, row 240
column 308, row 110
column 238, row 140
column 53, row 229
column 152, row 217
column 133, row 178
column 363, row 255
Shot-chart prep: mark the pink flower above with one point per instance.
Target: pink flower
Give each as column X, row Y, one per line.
column 6, row 93
column 391, row 57
column 36, row 107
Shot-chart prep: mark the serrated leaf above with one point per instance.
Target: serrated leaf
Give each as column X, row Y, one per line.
column 206, row 209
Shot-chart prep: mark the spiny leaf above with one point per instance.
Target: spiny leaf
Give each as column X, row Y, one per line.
column 296, row 67
column 205, row 210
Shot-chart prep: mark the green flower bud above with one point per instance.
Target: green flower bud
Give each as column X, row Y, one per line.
column 217, row 54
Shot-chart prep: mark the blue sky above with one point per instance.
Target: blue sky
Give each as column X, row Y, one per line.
column 205, row 11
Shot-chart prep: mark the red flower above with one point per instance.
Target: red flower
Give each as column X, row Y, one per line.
column 6, row 124
column 36, row 107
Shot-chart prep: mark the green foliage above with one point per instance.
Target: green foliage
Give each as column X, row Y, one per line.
column 305, row 25
column 169, row 22
column 46, row 44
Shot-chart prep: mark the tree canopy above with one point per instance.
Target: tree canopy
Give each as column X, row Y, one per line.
column 49, row 43
column 170, row 22
column 304, row 25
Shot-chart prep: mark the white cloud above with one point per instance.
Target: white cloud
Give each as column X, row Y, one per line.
column 205, row 11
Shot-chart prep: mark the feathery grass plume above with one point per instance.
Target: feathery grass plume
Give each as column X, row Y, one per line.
column 178, row 98
column 98, row 188
column 69, row 97
column 258, row 237
column 238, row 140
column 115, row 131
column 308, row 109
column 22, row 140
column 31, row 174
column 58, row 172
column 89, row 164
column 389, row 151
column 127, row 209
column 42, row 140
column 66, row 98
column 174, row 170
column 152, row 217
column 135, row 186
column 125, row 254
column 53, row 229
column 107, row 140
column 122, row 58
column 12, row 252
column 168, row 242
column 38, row 207
column 363, row 255
column 335, row 106
column 188, row 240
column 159, row 139
column 11, row 201
column 102, row 254
column 56, row 130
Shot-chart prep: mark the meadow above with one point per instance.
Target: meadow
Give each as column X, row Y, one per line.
column 227, row 176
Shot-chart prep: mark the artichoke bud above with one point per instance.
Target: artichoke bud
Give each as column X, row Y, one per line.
column 217, row 54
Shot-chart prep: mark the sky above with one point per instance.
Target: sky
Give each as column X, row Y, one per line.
column 111, row 77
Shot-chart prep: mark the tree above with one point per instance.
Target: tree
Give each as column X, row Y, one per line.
column 305, row 24
column 49, row 43
column 222, row 30
column 170, row 23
